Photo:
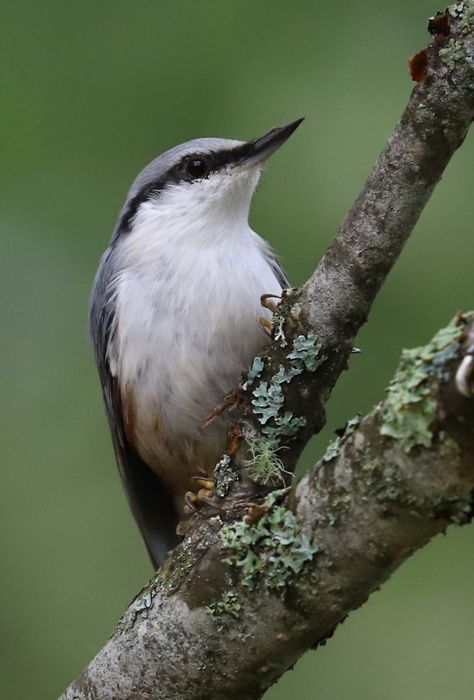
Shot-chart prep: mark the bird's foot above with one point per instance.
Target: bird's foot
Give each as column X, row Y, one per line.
column 265, row 325
column 267, row 303
column 193, row 502
column 229, row 402
column 266, row 300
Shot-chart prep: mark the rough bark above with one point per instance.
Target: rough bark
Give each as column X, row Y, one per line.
column 237, row 603
column 234, row 607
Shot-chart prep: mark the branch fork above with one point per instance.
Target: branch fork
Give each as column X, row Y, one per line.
column 238, row 601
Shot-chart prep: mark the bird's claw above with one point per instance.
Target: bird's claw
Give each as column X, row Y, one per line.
column 267, row 303
column 193, row 502
column 265, row 325
column 204, row 483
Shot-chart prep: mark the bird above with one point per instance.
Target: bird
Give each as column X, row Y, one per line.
column 176, row 317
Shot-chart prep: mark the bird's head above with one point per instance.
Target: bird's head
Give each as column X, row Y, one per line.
column 204, row 184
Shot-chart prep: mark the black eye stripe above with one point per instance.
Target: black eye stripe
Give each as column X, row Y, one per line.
column 215, row 161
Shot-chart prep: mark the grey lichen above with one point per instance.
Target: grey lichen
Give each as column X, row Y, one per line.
column 264, row 466
column 449, row 449
column 254, row 372
column 278, row 329
column 456, row 10
column 228, row 606
column 268, row 397
column 144, row 602
column 442, row 359
column 288, row 306
column 286, row 425
column 382, row 481
column 267, row 401
column 175, row 569
column 464, row 13
column 452, row 53
column 336, row 505
column 142, row 605
column 286, row 374
column 410, row 409
column 332, row 450
column 334, row 447
column 225, row 474
column 369, row 469
column 389, row 485
column 271, row 552
column 305, row 353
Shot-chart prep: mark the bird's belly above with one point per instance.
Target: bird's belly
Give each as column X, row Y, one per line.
column 180, row 351
column 181, row 381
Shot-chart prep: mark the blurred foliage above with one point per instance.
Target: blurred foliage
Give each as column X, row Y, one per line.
column 91, row 91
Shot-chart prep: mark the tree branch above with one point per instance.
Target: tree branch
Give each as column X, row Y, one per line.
column 235, row 606
column 301, row 560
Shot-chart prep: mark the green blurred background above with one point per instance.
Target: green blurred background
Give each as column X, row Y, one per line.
column 90, row 92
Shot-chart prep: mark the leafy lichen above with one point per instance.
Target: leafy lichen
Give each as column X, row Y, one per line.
column 268, row 397
column 286, row 425
column 254, row 372
column 305, row 353
column 410, row 409
column 267, row 401
column 286, row 375
column 271, row 552
column 264, row 465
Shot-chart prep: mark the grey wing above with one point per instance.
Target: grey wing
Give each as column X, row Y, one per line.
column 278, row 270
column 149, row 501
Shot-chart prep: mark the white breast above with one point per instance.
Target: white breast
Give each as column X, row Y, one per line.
column 187, row 311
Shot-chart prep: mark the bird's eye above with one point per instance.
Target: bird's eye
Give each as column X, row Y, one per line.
column 197, row 168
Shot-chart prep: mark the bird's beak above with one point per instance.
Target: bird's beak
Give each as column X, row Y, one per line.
column 260, row 149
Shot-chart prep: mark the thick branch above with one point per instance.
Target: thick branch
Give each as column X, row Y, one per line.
column 205, row 628
column 234, row 607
